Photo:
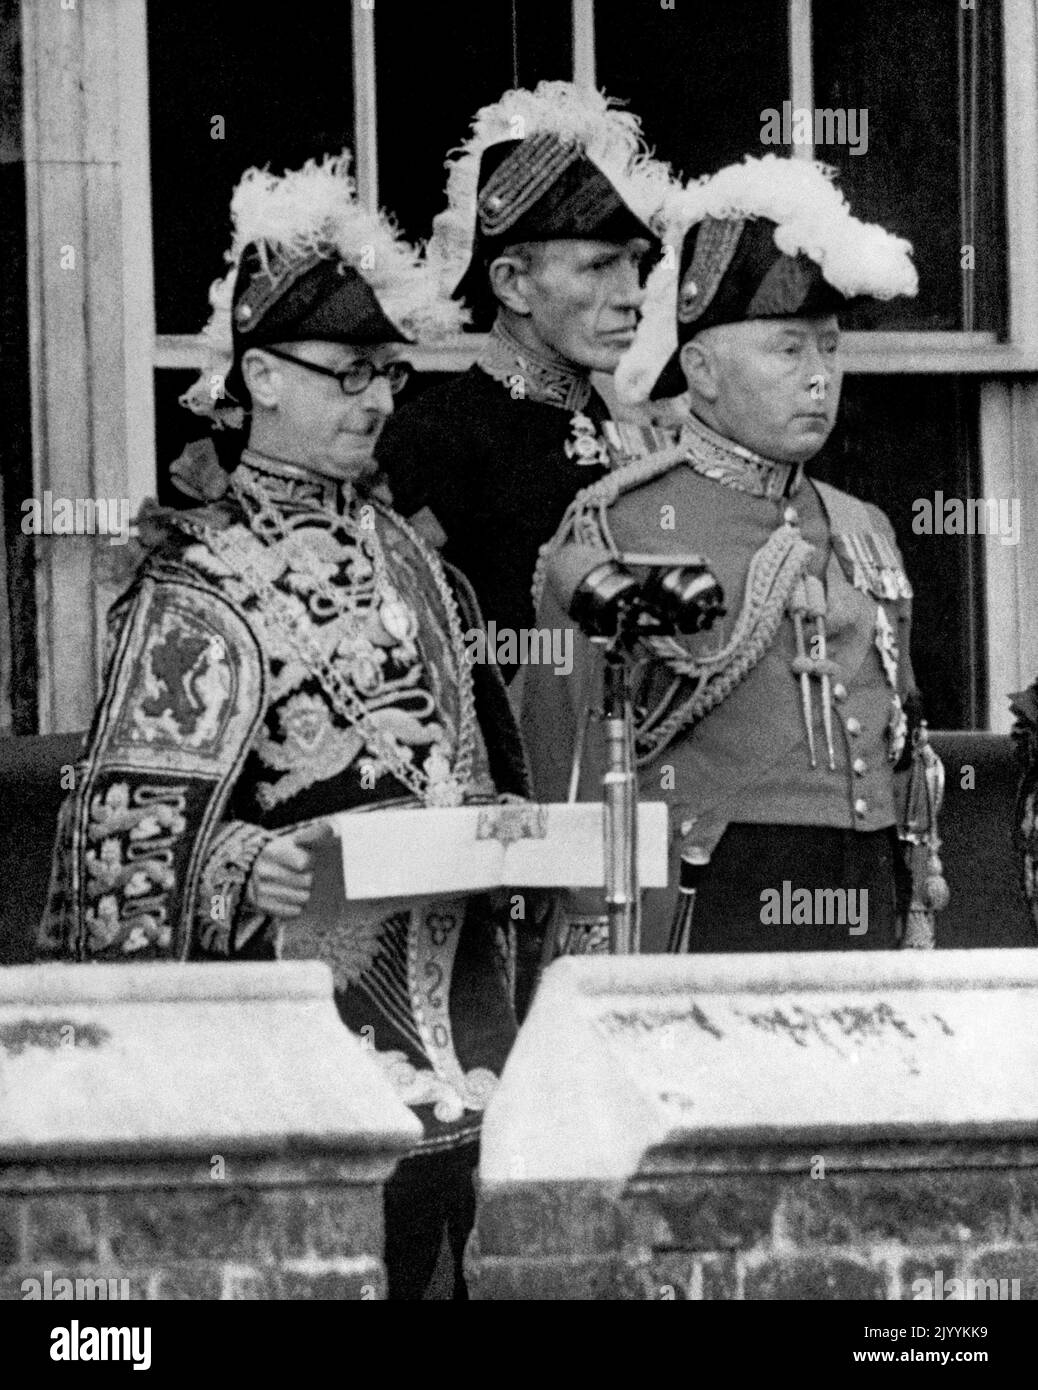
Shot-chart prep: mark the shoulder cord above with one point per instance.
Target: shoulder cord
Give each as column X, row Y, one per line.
column 774, row 572
column 586, row 519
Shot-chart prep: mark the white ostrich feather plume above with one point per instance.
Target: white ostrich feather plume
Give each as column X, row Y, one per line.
column 610, row 137
column 811, row 215
column 315, row 208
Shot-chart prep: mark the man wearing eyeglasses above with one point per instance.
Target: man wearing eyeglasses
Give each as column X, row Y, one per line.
column 331, row 431
column 291, row 651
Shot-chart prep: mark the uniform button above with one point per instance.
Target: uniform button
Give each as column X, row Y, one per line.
column 839, row 691
column 860, row 767
column 853, row 727
column 686, row 827
column 861, row 807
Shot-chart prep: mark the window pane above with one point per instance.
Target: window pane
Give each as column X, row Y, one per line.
column 284, row 91
column 901, row 64
column 699, row 74
column 435, row 72
column 901, row 439
column 175, row 426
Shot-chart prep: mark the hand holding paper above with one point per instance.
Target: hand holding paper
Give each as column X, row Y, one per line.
column 469, row 849
column 282, row 876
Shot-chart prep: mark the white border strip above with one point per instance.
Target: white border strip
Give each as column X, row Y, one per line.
column 874, row 353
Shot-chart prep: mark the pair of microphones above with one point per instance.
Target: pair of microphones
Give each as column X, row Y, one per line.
column 629, row 596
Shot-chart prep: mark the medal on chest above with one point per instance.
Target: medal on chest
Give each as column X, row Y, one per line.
column 889, row 655
column 872, row 565
column 585, row 449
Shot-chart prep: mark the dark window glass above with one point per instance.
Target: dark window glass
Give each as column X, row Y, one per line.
column 283, row 86
column 928, row 75
column 699, row 75
column 175, row 426
column 435, row 68
column 901, row 439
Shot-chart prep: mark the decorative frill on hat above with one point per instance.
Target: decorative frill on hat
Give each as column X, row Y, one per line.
column 610, row 137
column 812, row 217
column 292, row 216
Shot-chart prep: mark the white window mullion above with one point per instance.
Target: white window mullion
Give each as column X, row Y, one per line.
column 365, row 114
column 1008, row 442
column 137, row 252
column 1020, row 45
column 584, row 74
column 801, row 67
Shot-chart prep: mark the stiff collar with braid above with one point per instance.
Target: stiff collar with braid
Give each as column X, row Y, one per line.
column 542, row 378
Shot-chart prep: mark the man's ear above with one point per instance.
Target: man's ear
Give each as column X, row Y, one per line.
column 699, row 365
column 262, row 377
column 507, row 275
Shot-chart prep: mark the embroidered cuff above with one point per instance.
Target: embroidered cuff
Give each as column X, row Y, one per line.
column 223, row 921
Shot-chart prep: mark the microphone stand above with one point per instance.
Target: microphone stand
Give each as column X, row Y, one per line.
column 620, row 806
column 612, row 607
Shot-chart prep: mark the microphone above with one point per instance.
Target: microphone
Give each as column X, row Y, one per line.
column 634, row 595
column 591, row 587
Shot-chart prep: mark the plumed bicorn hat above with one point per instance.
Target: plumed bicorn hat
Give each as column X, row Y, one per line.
column 307, row 261
column 558, row 162
column 768, row 238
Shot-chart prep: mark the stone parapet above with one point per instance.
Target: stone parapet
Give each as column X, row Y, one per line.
column 190, row 1132
column 762, row 1127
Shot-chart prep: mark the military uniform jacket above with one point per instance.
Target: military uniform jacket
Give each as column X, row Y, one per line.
column 497, row 467
column 730, row 743
column 213, row 734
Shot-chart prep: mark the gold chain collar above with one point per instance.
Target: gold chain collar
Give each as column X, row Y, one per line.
column 438, row 783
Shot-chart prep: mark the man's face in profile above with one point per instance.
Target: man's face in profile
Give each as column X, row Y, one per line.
column 583, row 298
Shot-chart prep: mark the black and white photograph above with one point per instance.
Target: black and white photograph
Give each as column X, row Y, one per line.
column 519, row 669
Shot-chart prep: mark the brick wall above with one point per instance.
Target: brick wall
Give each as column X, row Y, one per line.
column 797, row 1127
column 197, row 1131
column 305, row 1228
column 756, row 1225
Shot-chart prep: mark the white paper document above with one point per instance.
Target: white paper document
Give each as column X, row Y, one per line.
column 467, row 849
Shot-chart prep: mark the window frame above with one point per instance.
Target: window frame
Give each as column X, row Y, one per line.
column 878, row 352
column 977, row 353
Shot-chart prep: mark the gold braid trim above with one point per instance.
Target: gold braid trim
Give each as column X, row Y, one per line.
column 773, row 573
column 586, row 521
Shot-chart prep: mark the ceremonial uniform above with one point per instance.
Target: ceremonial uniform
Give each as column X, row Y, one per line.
column 726, row 745
column 294, row 650
column 497, row 455
column 221, row 727
column 775, row 736
column 494, row 457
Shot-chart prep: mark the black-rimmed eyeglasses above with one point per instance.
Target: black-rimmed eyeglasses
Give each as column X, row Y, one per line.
column 359, row 375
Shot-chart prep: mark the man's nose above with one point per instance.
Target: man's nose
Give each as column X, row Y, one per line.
column 628, row 291
column 378, row 398
column 821, row 371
